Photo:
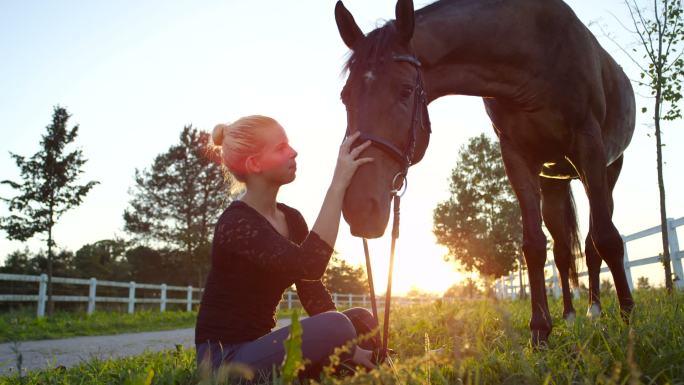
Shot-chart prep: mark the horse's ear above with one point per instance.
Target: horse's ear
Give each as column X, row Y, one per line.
column 349, row 30
column 405, row 19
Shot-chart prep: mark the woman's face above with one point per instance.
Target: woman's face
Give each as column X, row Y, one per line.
column 276, row 160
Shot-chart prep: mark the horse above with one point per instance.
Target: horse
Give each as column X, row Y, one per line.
column 560, row 105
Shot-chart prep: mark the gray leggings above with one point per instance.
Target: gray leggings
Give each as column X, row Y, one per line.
column 321, row 334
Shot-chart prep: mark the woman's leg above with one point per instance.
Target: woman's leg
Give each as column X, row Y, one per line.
column 364, row 323
column 321, row 334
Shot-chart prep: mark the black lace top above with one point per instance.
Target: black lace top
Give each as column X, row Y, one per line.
column 251, row 267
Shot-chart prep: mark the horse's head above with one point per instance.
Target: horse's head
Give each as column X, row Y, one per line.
column 385, row 101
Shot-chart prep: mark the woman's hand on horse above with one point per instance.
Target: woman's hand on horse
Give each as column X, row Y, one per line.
column 347, row 162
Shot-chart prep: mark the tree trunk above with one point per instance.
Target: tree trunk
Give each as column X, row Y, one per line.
column 520, row 276
column 50, row 302
column 661, row 188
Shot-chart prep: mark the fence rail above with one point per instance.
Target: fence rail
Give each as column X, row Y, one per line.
column 509, row 287
column 289, row 301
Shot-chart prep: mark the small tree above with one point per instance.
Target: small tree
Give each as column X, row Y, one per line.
column 176, row 202
column 480, row 223
column 660, row 39
column 340, row 277
column 48, row 189
column 643, row 284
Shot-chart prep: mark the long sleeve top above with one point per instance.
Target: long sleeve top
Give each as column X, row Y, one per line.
column 252, row 265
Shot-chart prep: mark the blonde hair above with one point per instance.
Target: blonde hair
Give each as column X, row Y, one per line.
column 239, row 140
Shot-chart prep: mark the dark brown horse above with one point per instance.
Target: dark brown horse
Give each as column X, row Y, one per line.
column 561, row 106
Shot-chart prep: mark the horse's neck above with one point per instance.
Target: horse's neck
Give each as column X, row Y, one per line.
column 467, row 49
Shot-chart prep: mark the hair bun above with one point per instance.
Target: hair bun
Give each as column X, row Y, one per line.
column 217, row 134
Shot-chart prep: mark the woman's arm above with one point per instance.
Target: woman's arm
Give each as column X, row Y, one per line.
column 314, row 297
column 328, row 221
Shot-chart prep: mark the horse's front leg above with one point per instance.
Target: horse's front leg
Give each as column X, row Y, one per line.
column 524, row 179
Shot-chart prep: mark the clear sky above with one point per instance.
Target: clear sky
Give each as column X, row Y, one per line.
column 133, row 73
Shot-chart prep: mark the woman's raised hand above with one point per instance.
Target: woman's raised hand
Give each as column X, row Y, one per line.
column 347, row 162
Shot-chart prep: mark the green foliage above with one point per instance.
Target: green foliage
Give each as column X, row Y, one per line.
column 23, row 325
column 293, row 362
column 175, row 203
column 480, row 223
column 660, row 39
column 49, row 186
column 482, row 342
column 103, row 260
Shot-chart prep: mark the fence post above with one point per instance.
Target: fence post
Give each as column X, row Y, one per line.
column 335, row 299
column 365, row 300
column 511, row 280
column 555, row 281
column 131, row 297
column 91, row 295
column 188, row 306
column 162, row 303
column 674, row 253
column 289, row 300
column 351, row 301
column 42, row 291
column 627, row 265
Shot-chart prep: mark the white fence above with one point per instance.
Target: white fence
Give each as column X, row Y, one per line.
column 509, row 286
column 290, row 299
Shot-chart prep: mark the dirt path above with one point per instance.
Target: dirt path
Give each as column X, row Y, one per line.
column 71, row 351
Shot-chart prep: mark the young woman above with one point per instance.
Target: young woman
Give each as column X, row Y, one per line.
column 261, row 247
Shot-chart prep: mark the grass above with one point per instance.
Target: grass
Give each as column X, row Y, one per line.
column 485, row 342
column 23, row 325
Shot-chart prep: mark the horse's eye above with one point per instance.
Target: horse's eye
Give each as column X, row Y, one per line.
column 406, row 91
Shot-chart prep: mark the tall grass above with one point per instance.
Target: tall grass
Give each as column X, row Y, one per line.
column 484, row 342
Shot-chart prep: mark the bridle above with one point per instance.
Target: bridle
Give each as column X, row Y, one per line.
column 405, row 157
column 419, row 121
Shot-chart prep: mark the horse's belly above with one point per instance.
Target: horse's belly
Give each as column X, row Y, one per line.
column 541, row 136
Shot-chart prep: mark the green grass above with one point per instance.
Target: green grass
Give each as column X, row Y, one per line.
column 24, row 325
column 486, row 342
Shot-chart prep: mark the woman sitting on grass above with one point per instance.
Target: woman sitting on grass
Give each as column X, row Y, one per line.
column 261, row 247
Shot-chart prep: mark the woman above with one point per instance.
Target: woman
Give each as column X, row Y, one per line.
column 261, row 247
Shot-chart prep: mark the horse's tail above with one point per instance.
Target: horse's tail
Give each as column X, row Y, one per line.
column 573, row 229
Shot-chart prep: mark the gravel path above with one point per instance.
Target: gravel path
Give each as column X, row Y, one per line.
column 71, row 351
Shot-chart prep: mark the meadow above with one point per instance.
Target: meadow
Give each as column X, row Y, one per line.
column 483, row 341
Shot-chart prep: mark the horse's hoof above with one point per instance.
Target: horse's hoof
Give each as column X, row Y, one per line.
column 594, row 311
column 569, row 317
column 540, row 338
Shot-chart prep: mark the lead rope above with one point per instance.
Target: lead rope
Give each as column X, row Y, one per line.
column 388, row 295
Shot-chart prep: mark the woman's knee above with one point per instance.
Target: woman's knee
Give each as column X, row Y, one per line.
column 338, row 327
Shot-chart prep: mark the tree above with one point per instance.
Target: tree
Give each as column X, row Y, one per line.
column 480, row 222
column 102, row 260
column 643, row 284
column 48, row 189
column 18, row 262
column 340, row 277
column 468, row 288
column 177, row 201
column 660, row 39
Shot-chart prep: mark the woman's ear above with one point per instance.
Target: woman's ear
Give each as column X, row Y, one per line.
column 252, row 164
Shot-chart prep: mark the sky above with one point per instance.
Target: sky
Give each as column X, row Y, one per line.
column 132, row 74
